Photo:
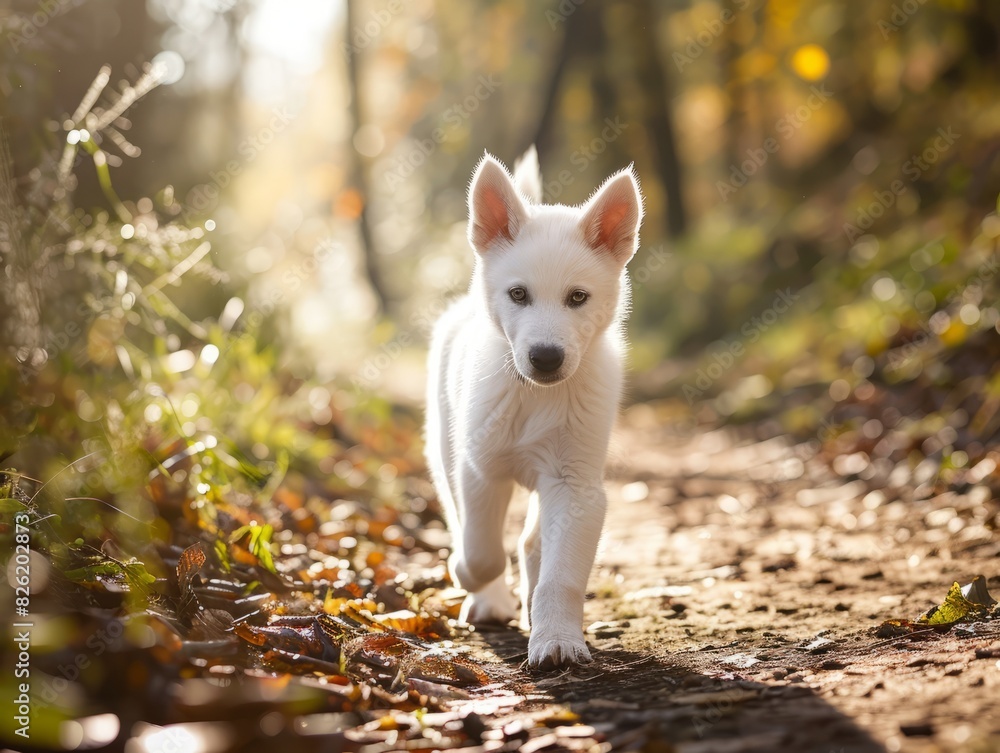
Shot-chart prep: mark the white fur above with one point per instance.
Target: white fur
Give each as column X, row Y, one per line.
column 494, row 420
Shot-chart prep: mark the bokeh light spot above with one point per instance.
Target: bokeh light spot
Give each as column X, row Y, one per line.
column 168, row 67
column 811, row 62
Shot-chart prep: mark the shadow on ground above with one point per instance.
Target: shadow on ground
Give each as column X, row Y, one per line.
column 659, row 703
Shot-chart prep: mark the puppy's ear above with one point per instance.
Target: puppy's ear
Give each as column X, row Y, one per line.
column 528, row 175
column 612, row 216
column 496, row 211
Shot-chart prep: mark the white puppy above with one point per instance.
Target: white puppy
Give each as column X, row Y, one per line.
column 525, row 375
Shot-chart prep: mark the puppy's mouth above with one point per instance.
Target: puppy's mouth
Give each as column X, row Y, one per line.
column 541, row 378
column 547, row 379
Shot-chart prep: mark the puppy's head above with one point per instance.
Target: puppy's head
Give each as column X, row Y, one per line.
column 551, row 275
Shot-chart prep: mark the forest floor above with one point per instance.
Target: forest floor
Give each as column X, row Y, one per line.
column 736, row 603
column 739, row 603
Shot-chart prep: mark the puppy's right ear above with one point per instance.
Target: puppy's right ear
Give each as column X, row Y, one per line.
column 613, row 215
column 496, row 211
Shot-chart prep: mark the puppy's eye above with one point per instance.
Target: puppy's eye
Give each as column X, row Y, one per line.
column 578, row 297
column 518, row 294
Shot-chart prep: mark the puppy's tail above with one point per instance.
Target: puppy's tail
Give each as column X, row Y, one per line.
column 528, row 175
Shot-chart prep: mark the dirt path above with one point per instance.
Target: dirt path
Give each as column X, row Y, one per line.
column 733, row 608
column 736, row 595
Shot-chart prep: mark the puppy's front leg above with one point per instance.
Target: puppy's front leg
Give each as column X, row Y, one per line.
column 479, row 562
column 572, row 515
column 530, row 559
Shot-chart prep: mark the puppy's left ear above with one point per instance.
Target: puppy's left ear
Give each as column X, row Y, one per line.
column 612, row 216
column 496, row 212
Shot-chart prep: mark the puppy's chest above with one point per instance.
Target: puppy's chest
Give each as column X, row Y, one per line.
column 519, row 428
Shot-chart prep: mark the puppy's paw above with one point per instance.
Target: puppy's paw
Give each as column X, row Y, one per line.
column 494, row 604
column 547, row 652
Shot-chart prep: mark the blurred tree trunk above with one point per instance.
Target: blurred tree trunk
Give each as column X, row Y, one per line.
column 655, row 82
column 542, row 138
column 358, row 173
column 20, row 314
column 733, row 86
column 583, row 42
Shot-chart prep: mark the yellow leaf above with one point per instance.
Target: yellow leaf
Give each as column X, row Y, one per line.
column 956, row 606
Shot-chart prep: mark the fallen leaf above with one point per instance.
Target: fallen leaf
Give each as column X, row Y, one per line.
column 957, row 606
column 895, row 628
column 407, row 621
column 189, row 563
column 741, row 661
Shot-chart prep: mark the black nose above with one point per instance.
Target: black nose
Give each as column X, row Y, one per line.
column 546, row 358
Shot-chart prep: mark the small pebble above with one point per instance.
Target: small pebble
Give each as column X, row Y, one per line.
column 919, row 729
column 609, row 632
